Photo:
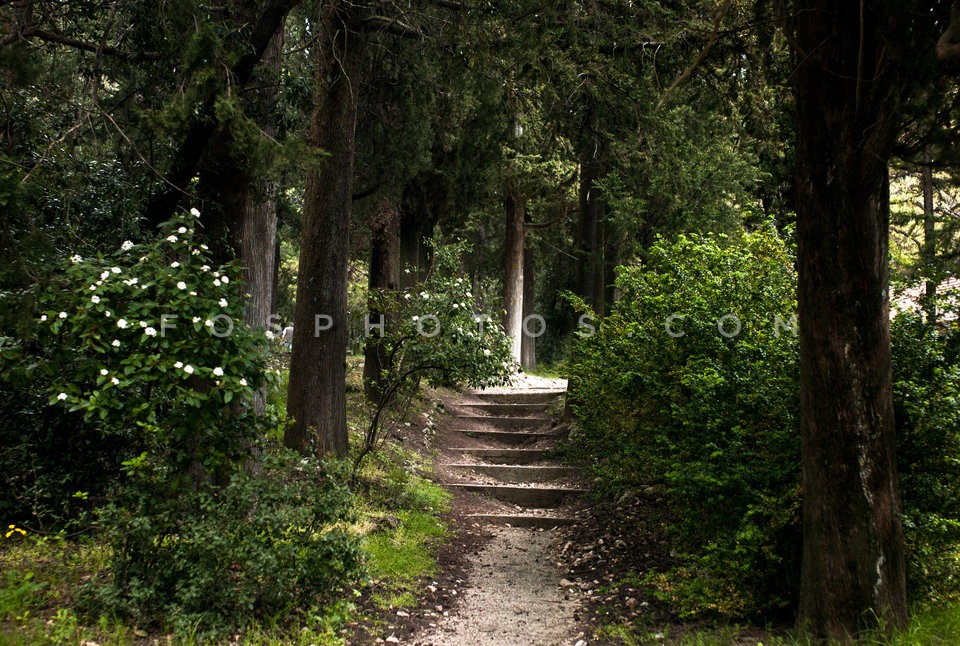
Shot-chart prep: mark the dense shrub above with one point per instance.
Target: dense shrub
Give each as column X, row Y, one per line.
column 926, row 368
column 141, row 359
column 691, row 385
column 211, row 560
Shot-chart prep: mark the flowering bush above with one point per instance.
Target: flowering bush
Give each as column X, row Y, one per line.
column 149, row 340
column 432, row 332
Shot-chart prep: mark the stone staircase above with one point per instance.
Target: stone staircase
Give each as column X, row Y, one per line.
column 506, row 455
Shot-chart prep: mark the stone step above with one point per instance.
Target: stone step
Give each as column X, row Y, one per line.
column 511, row 437
column 528, row 497
column 505, row 422
column 516, row 473
column 509, row 410
column 527, row 396
column 522, row 520
column 507, row 456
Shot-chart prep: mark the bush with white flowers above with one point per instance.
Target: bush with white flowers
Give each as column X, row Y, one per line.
column 150, row 339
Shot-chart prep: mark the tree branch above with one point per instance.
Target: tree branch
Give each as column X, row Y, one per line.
column 541, row 225
column 687, row 73
column 393, row 26
column 203, row 123
column 60, row 39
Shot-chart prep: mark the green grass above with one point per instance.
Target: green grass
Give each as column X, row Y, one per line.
column 927, row 627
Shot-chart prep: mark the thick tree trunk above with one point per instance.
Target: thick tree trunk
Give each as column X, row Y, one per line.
column 853, row 554
column 514, row 208
column 528, row 347
column 589, row 248
column 383, row 277
column 316, row 398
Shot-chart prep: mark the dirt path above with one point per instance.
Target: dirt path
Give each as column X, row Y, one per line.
column 514, row 593
column 513, row 597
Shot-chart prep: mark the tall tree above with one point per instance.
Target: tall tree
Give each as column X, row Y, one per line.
column 848, row 89
column 316, row 396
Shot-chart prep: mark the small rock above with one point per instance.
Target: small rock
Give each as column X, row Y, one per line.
column 392, row 639
column 564, row 583
column 402, row 613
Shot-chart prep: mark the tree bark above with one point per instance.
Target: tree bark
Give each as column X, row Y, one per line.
column 589, row 250
column 528, row 347
column 514, row 208
column 383, row 277
column 847, row 103
column 316, row 398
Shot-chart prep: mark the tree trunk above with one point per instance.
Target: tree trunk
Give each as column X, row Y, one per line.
column 528, row 347
column 514, row 208
column 383, row 277
column 928, row 252
column 846, row 95
column 316, row 398
column 589, row 250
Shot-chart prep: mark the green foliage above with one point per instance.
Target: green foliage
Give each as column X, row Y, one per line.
column 690, row 385
column 267, row 542
column 926, row 363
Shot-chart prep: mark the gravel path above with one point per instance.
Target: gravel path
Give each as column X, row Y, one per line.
column 514, row 598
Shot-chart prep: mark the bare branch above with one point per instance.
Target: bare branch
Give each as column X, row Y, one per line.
column 687, row 73
column 393, row 26
column 60, row 39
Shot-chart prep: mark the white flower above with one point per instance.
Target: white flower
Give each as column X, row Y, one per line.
column 469, row 295
column 126, row 246
column 459, row 280
column 195, row 252
column 205, row 247
column 194, row 212
column 407, row 270
column 43, row 317
column 143, row 324
column 270, row 335
column 218, row 372
column 62, row 397
column 122, row 324
column 456, row 306
column 62, row 315
column 243, row 382
column 174, row 264
column 76, row 258
column 208, row 323
column 104, row 372
column 107, row 314
column 486, row 353
column 105, row 275
column 407, row 296
column 115, row 270
column 224, row 280
column 181, row 285
column 116, row 343
column 193, row 293
column 150, row 332
column 424, row 295
column 223, row 302
column 115, row 381
column 205, row 268
column 196, row 319
column 216, row 282
column 93, row 288
column 172, row 238
column 188, row 369
column 416, row 318
column 131, row 282
column 178, row 365
column 182, row 230
column 216, row 274
column 94, row 299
